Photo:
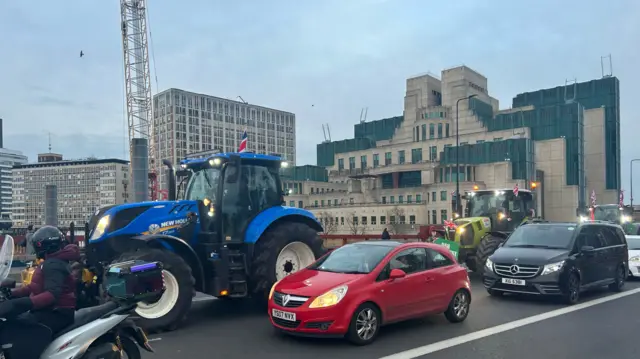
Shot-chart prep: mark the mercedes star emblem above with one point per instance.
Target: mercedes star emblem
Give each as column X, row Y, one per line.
column 285, row 300
column 514, row 269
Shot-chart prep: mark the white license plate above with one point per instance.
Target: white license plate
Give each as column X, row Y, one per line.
column 513, row 281
column 283, row 315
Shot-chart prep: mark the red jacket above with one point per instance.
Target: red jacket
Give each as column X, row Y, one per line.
column 52, row 284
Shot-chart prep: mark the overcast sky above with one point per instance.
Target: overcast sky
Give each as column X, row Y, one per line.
column 339, row 56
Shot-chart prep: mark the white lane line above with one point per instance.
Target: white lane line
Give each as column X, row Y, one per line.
column 452, row 342
column 203, row 298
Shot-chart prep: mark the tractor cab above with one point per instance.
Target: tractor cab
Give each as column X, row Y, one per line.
column 231, row 189
column 611, row 213
column 503, row 208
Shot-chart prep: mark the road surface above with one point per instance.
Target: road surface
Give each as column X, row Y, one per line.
column 599, row 327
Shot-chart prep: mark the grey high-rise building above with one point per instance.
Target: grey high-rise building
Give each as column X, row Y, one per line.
column 187, row 122
column 8, row 159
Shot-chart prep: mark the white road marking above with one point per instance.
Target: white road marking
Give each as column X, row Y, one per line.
column 452, row 342
column 154, row 340
column 203, row 298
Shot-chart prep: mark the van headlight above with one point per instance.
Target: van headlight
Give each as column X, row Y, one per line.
column 634, row 259
column 101, row 227
column 330, row 298
column 552, row 268
column 489, row 264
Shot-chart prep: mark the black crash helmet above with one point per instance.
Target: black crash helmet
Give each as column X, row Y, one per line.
column 47, row 239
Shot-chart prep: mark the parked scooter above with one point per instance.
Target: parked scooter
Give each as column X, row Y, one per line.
column 104, row 331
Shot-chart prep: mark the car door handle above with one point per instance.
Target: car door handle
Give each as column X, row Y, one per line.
column 428, row 279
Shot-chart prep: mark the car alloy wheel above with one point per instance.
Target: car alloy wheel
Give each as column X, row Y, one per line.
column 366, row 324
column 573, row 289
column 461, row 304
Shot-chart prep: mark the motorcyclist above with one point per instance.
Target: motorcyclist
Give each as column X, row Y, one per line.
column 36, row 312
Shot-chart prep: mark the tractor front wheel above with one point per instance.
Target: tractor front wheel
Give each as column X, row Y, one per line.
column 488, row 245
column 171, row 309
column 281, row 251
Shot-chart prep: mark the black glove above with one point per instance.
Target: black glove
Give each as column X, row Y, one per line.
column 14, row 307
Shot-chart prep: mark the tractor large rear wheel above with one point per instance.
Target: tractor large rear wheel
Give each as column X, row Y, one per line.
column 168, row 312
column 488, row 245
column 280, row 251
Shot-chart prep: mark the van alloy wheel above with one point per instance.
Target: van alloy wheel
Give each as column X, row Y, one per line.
column 573, row 289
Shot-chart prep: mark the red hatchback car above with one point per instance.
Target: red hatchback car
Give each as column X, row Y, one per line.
column 356, row 288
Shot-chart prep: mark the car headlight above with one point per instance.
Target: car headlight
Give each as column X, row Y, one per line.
column 501, row 216
column 273, row 288
column 489, row 264
column 330, row 298
column 634, row 259
column 553, row 267
column 101, row 227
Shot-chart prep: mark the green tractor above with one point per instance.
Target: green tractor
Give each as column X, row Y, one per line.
column 614, row 213
column 490, row 216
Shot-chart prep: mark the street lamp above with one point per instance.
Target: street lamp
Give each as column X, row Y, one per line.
column 457, row 208
column 631, row 178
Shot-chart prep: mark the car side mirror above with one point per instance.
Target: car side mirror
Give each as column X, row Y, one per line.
column 397, row 274
column 587, row 250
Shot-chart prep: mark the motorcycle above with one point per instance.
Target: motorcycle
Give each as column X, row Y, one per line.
column 104, row 331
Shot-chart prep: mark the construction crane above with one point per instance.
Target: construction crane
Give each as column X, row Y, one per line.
column 137, row 77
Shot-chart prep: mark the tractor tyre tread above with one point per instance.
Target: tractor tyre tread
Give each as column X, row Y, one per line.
column 182, row 271
column 268, row 247
column 487, row 246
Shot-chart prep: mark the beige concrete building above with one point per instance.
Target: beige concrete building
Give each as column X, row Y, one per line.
column 400, row 173
column 82, row 187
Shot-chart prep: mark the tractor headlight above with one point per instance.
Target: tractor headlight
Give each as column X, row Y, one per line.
column 583, row 218
column 101, row 227
column 552, row 268
column 625, row 219
column 501, row 216
column 330, row 298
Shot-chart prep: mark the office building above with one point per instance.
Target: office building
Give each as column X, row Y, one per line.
column 187, row 122
column 400, row 172
column 82, row 187
column 8, row 159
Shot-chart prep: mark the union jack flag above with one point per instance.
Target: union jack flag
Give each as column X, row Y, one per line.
column 621, row 198
column 449, row 224
column 243, row 142
column 593, row 198
column 515, row 190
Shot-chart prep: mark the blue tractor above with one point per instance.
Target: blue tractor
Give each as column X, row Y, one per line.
column 230, row 237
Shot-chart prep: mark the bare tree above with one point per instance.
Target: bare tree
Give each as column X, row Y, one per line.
column 329, row 224
column 393, row 218
column 355, row 227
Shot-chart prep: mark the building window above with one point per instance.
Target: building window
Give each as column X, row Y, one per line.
column 416, row 155
column 384, row 200
column 292, row 203
column 352, row 163
column 433, row 153
column 409, row 198
column 446, row 130
column 383, row 220
column 342, row 221
column 392, row 199
column 364, row 220
column 322, row 203
column 424, row 132
column 315, row 203
column 416, row 134
column 300, row 204
column 412, row 219
column 335, row 202
column 434, row 218
column 376, row 160
column 392, row 219
column 418, row 198
column 401, row 157
column 497, row 139
column 355, row 221
column 432, row 131
column 363, row 162
column 340, row 164
column 443, row 215
column 480, row 141
column 373, row 220
column 403, row 219
column 387, row 158
column 400, row 199
column 439, row 130
column 433, row 196
column 443, row 195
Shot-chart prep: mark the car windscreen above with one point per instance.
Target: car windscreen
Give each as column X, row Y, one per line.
column 633, row 242
column 352, row 258
column 542, row 236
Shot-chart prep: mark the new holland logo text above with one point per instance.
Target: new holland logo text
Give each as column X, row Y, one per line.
column 173, row 223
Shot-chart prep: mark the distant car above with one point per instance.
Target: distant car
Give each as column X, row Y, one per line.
column 560, row 259
column 633, row 242
column 354, row 290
